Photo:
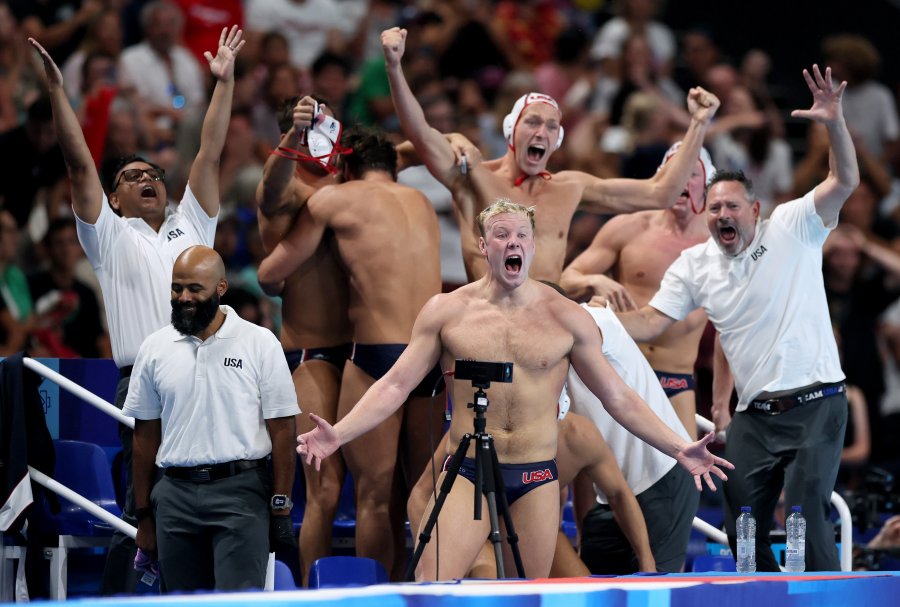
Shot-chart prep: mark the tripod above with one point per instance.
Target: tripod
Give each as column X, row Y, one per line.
column 488, row 481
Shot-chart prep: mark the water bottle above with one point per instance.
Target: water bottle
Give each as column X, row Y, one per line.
column 795, row 555
column 746, row 542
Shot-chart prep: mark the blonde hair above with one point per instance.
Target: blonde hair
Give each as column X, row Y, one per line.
column 500, row 206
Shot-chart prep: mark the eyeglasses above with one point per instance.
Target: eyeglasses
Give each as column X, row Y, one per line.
column 135, row 175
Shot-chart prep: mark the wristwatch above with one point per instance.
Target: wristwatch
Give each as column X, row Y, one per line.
column 281, row 502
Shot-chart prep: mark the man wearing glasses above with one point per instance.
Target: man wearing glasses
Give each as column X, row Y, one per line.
column 132, row 239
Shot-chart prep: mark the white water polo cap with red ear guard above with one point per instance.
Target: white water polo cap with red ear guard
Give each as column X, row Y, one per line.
column 708, row 170
column 705, row 159
column 511, row 121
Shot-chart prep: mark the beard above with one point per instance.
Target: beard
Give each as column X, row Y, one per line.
column 192, row 318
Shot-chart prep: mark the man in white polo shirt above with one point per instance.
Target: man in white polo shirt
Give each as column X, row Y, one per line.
column 761, row 285
column 662, row 488
column 212, row 397
column 131, row 237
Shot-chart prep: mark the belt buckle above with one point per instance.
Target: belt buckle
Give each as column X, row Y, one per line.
column 201, row 475
column 767, row 406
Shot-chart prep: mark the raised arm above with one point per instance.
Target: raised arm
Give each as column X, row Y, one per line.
column 432, row 146
column 843, row 172
column 299, row 245
column 586, row 275
column 275, row 191
column 661, row 190
column 204, row 176
column 87, row 194
column 627, row 408
column 387, row 394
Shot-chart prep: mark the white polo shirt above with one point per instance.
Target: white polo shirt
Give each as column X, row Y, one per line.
column 641, row 464
column 768, row 302
column 134, row 266
column 212, row 396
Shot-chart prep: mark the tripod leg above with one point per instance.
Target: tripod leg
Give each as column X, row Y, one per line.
column 484, row 468
column 446, row 485
column 511, row 535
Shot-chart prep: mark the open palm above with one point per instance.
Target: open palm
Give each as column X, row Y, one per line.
column 826, row 107
column 230, row 43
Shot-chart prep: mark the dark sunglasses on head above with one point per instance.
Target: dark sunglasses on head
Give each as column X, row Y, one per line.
column 134, row 175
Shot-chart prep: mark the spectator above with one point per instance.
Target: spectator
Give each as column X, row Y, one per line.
column 204, row 20
column 331, row 80
column 869, row 106
column 62, row 24
column 309, row 26
column 104, row 36
column 161, row 71
column 77, row 330
column 636, row 18
column 30, row 153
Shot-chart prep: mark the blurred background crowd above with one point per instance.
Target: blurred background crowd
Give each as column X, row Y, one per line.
column 619, row 68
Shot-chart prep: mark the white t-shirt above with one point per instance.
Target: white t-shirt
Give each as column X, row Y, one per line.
column 134, row 266
column 306, row 25
column 142, row 68
column 870, row 111
column 614, row 32
column 767, row 303
column 641, row 464
column 214, row 396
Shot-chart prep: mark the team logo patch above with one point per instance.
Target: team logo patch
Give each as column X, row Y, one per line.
column 537, row 476
column 673, row 383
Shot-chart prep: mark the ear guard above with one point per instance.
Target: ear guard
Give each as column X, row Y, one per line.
column 512, row 119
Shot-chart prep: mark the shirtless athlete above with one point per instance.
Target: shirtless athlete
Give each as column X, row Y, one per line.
column 387, row 238
column 638, row 249
column 533, row 131
column 504, row 316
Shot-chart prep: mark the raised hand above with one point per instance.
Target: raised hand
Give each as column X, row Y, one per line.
column 319, row 443
column 826, row 107
column 230, row 43
column 54, row 76
column 393, row 42
column 613, row 292
column 702, row 104
column 303, row 113
column 700, row 463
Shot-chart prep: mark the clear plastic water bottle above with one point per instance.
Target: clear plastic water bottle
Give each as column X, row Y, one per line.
column 746, row 542
column 795, row 554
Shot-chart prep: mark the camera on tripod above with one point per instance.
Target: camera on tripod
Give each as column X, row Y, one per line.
column 877, row 497
column 483, row 373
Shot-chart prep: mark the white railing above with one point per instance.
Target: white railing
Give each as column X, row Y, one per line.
column 843, row 510
column 58, row 561
column 82, row 393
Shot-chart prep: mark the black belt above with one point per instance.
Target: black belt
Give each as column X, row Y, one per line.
column 776, row 406
column 125, row 371
column 213, row 472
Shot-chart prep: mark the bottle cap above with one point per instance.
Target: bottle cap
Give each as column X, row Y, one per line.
column 797, row 508
column 745, row 508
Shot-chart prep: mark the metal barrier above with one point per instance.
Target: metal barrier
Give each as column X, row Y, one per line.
column 843, row 510
column 59, row 554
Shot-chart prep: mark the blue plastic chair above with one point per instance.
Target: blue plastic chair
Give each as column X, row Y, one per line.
column 84, row 468
column 711, row 562
column 284, row 578
column 343, row 571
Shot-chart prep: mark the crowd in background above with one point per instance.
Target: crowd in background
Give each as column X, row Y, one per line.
column 619, row 71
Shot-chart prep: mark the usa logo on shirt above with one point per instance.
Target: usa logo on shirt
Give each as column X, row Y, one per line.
column 234, row 362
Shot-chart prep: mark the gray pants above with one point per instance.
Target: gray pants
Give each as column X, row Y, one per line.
column 119, row 576
column 213, row 535
column 669, row 506
column 799, row 450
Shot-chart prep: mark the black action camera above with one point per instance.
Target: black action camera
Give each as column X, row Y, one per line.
column 483, row 372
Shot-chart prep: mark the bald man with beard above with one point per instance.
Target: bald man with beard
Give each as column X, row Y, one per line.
column 213, row 400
